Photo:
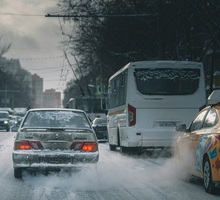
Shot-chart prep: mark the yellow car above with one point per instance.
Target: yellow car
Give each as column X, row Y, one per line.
column 198, row 148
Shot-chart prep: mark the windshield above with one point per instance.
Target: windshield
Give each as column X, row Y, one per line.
column 4, row 115
column 167, row 81
column 56, row 119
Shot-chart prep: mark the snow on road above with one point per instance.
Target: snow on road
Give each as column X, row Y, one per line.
column 117, row 177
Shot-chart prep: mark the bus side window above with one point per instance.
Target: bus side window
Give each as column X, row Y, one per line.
column 121, row 90
column 117, row 96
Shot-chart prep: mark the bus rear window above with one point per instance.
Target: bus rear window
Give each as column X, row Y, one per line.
column 167, row 81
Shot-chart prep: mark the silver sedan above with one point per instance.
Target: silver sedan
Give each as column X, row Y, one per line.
column 54, row 139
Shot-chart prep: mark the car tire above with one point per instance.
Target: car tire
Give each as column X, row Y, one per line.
column 8, row 129
column 18, row 173
column 207, row 177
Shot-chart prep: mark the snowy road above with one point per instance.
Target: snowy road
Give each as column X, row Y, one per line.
column 118, row 177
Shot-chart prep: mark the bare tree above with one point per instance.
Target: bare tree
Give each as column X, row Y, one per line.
column 4, row 47
column 107, row 34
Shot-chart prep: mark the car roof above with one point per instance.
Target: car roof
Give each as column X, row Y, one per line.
column 214, row 97
column 58, row 109
column 4, row 111
column 101, row 118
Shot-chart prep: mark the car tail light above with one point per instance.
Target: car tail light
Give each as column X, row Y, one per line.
column 131, row 115
column 27, row 145
column 85, row 146
column 23, row 145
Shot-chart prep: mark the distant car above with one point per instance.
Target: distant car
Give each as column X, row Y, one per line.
column 18, row 120
column 4, row 121
column 100, row 127
column 12, row 120
column 198, row 148
column 51, row 139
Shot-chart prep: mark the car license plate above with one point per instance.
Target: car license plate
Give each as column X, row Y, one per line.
column 167, row 124
column 55, row 160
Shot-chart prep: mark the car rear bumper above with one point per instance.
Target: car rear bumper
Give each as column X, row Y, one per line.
column 4, row 127
column 25, row 159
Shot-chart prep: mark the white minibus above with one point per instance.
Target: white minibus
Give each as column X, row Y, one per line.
column 148, row 99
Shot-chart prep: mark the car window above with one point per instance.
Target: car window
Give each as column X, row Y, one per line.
column 198, row 121
column 211, row 119
column 67, row 119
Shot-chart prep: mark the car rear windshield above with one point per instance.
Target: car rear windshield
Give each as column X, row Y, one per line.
column 167, row 81
column 56, row 119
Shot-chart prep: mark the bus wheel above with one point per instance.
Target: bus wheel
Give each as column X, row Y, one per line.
column 112, row 147
column 124, row 149
column 131, row 150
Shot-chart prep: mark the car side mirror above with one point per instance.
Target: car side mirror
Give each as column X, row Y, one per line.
column 181, row 128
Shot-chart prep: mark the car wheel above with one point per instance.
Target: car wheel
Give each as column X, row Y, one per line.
column 207, row 177
column 18, row 173
column 8, row 129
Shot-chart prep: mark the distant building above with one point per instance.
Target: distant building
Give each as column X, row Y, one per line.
column 52, row 99
column 39, row 98
column 37, row 91
column 13, row 68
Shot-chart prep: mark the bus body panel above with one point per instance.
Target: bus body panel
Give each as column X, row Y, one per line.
column 116, row 120
column 157, row 126
column 156, row 115
column 154, row 127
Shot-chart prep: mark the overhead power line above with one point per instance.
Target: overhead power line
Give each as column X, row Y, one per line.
column 77, row 80
column 99, row 15
column 23, row 15
column 84, row 16
column 42, row 58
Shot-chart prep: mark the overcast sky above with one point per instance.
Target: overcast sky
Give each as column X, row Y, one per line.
column 35, row 39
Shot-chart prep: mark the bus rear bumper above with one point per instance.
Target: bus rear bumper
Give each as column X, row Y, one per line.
column 150, row 140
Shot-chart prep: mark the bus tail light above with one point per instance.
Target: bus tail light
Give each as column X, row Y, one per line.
column 131, row 115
